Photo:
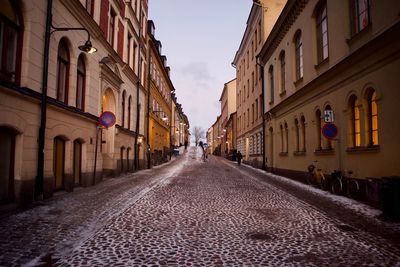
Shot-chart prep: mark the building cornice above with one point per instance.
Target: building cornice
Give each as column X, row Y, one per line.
column 286, row 19
column 110, row 76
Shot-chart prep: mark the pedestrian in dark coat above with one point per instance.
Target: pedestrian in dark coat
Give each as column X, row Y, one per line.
column 239, row 157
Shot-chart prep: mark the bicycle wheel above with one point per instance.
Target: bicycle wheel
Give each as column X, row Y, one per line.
column 337, row 186
column 353, row 188
column 310, row 178
column 321, row 181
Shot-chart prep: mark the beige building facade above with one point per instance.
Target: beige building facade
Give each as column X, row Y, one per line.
column 249, row 97
column 228, row 106
column 322, row 64
column 80, row 87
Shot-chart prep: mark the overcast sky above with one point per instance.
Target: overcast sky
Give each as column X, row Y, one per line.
column 200, row 39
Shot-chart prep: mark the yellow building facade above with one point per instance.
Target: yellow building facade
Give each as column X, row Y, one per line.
column 335, row 61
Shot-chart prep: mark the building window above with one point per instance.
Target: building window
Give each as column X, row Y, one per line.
column 252, row 113
column 283, row 71
column 286, row 138
column 299, row 55
column 10, row 42
column 248, row 88
column 252, row 81
column 128, row 49
column 90, row 7
column 248, row 61
column 303, row 134
column 318, row 127
column 297, row 128
column 134, row 56
column 62, row 71
column 256, row 109
column 355, row 131
column 360, row 18
column 259, row 32
column 271, row 82
column 322, row 33
column 129, row 111
column 80, row 83
column 282, row 139
column 123, row 109
column 111, row 28
column 372, row 119
column 248, row 117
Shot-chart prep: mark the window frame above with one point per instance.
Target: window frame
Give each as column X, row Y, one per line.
column 299, row 57
column 66, row 66
column 80, row 74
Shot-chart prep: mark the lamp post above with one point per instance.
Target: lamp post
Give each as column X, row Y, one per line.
column 88, row 48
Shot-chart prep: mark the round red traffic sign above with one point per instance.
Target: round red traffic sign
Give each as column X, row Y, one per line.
column 107, row 119
column 329, row 130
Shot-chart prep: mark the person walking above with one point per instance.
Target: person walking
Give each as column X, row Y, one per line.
column 239, row 157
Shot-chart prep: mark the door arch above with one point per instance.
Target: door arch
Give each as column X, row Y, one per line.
column 59, row 162
column 7, row 162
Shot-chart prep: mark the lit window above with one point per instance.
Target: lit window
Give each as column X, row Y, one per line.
column 318, row 127
column 373, row 119
column 356, row 125
column 129, row 111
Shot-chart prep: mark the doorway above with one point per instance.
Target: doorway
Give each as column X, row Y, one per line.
column 59, row 159
column 77, row 161
column 7, row 155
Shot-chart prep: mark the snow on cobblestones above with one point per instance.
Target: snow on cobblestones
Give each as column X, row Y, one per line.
column 188, row 213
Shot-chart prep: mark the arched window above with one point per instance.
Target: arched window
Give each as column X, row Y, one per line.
column 62, row 71
column 271, row 82
column 318, row 127
column 286, row 138
column 129, row 111
column 282, row 61
column 372, row 116
column 355, row 123
column 303, row 134
column 123, row 109
column 322, row 32
column 299, row 55
column 11, row 33
column 282, row 139
column 297, row 128
column 80, row 84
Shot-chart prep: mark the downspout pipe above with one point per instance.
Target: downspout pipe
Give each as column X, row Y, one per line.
column 263, row 111
column 43, row 105
column 138, row 88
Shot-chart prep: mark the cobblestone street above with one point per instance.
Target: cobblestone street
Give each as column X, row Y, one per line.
column 194, row 213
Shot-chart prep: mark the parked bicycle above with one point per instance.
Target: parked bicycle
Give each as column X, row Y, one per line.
column 351, row 184
column 316, row 176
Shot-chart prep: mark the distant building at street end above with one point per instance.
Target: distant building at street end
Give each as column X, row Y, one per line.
column 228, row 106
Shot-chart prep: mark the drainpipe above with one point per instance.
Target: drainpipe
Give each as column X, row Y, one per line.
column 138, row 86
column 42, row 129
column 263, row 110
column 148, row 155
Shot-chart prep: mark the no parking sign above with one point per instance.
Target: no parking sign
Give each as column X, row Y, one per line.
column 107, row 119
column 330, row 131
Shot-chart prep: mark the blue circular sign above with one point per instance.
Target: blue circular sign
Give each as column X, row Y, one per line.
column 329, row 130
column 107, row 119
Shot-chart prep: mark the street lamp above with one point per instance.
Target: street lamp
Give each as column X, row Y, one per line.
column 88, row 48
column 164, row 118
